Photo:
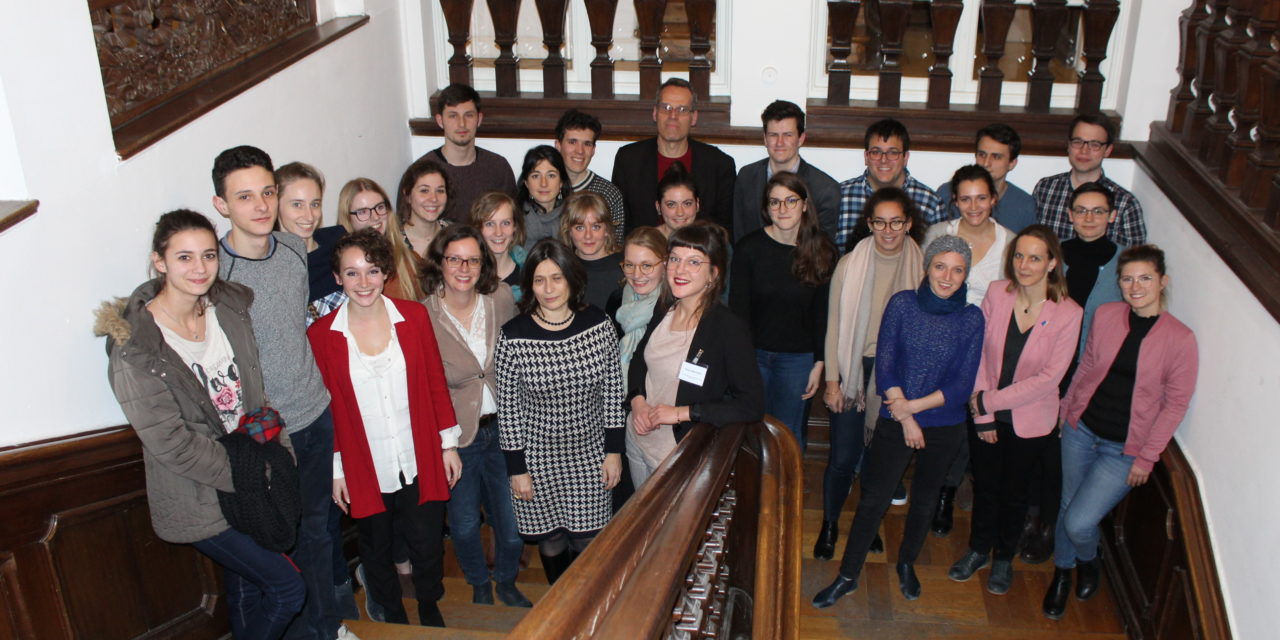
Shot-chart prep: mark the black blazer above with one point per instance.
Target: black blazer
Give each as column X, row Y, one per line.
column 635, row 172
column 732, row 390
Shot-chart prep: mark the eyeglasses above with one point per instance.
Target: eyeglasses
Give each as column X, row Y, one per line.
column 879, row 224
column 455, row 261
column 678, row 109
column 378, row 211
column 692, row 263
column 1144, row 280
column 876, row 154
column 1093, row 145
column 645, row 268
column 791, row 201
column 1097, row 212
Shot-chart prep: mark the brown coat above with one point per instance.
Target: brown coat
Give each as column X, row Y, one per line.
column 466, row 376
column 174, row 417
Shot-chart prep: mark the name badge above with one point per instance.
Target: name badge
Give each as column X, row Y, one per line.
column 692, row 372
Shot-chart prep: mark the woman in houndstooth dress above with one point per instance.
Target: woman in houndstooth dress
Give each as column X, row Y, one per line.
column 560, row 412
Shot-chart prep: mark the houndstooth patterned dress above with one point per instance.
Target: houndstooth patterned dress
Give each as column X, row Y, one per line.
column 558, row 391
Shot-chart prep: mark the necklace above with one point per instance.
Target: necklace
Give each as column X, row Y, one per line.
column 195, row 335
column 1027, row 308
column 538, row 313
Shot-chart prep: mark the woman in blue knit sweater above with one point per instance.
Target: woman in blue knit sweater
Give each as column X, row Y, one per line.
column 927, row 358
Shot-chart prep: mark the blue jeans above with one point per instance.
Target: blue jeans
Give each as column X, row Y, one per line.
column 484, row 483
column 844, row 458
column 264, row 590
column 785, row 376
column 313, row 447
column 1095, row 474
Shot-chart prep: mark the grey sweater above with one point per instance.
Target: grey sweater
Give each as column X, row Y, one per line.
column 279, row 312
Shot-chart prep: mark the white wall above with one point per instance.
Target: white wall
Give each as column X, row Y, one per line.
column 1228, row 435
column 342, row 109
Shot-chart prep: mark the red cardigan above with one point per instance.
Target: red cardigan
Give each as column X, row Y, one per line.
column 1033, row 396
column 1167, row 364
column 430, row 409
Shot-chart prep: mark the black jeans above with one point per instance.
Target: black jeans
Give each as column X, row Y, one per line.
column 882, row 469
column 421, row 526
column 1044, row 485
column 1001, row 474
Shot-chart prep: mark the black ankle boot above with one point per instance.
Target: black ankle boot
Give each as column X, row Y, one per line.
column 825, row 547
column 1055, row 600
column 1030, row 529
column 877, row 545
column 942, row 516
column 555, row 565
column 834, row 591
column 908, row 583
column 1087, row 576
column 1040, row 546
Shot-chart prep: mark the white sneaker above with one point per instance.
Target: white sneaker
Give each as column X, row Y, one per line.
column 346, row 634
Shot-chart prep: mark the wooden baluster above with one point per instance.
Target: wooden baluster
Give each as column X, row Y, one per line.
column 1265, row 159
column 1254, row 54
column 649, row 17
column 506, row 68
column 600, row 14
column 551, row 14
column 944, row 14
column 1047, row 20
column 1099, row 19
column 457, row 18
column 1213, row 146
column 1182, row 96
column 842, row 15
column 1206, row 33
column 894, row 18
column 997, row 15
column 701, row 14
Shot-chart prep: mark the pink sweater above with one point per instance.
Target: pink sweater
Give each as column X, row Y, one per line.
column 1167, row 364
column 1033, row 396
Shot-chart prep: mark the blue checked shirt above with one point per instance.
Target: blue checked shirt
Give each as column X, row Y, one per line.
column 855, row 192
column 1053, row 207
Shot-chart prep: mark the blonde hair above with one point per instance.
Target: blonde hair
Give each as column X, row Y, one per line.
column 579, row 207
column 407, row 280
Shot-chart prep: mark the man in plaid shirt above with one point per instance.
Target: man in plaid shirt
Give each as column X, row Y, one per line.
column 887, row 147
column 1088, row 145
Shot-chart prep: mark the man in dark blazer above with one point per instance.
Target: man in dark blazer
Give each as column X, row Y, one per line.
column 638, row 166
column 783, row 137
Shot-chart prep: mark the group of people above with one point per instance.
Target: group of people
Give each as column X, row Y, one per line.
column 525, row 351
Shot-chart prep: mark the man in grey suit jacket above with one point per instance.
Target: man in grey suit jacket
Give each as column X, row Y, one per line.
column 783, row 137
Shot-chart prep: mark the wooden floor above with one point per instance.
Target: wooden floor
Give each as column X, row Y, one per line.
column 877, row 610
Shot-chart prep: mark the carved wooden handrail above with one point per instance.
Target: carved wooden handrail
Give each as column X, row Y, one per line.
column 718, row 523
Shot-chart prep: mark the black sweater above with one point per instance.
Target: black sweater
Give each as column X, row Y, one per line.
column 785, row 314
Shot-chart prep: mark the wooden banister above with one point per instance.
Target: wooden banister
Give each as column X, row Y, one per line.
column 997, row 16
column 719, row 521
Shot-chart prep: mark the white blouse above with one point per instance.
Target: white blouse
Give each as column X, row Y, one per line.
column 985, row 271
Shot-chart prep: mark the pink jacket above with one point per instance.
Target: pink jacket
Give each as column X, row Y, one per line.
column 1167, row 364
column 1033, row 396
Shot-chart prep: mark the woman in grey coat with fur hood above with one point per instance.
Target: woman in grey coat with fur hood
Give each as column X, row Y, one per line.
column 184, row 367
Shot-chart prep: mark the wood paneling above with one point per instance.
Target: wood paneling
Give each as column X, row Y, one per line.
column 78, row 556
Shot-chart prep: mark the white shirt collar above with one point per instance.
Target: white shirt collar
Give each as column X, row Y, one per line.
column 340, row 323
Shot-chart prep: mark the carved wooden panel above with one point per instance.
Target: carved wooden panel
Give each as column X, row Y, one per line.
column 151, row 49
column 700, row 607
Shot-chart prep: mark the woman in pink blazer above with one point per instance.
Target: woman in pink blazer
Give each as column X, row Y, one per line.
column 1128, row 396
column 1031, row 334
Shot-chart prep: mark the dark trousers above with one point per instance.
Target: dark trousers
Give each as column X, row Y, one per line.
column 313, row 447
column 844, row 455
column 1001, row 472
column 421, row 526
column 1044, row 485
column 882, row 469
column 264, row 590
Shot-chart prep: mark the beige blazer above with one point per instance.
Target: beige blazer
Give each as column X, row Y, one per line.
column 467, row 376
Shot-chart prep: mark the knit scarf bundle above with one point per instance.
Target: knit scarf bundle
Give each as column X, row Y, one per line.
column 930, row 302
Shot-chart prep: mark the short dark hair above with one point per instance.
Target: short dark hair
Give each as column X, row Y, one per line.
column 781, row 110
column 972, row 173
column 531, row 159
column 433, row 266
column 683, row 84
column 881, row 196
column 454, row 95
column 1096, row 119
column 1002, row 133
column 1093, row 187
column 423, row 166
column 234, row 159
column 676, row 176
column 885, row 129
column 575, row 275
column 376, row 248
column 575, row 119
column 1143, row 253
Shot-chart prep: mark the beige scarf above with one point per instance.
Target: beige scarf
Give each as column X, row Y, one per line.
column 849, row 315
